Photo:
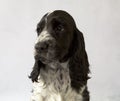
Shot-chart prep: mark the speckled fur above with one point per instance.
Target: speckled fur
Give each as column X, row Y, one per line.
column 54, row 85
column 63, row 74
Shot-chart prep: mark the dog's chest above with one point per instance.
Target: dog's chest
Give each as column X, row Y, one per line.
column 54, row 85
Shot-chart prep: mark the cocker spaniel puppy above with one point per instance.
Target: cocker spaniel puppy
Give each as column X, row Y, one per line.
column 61, row 68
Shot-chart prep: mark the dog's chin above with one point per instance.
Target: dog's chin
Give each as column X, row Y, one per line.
column 48, row 58
column 45, row 60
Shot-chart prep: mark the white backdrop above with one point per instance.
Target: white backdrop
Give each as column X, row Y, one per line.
column 99, row 20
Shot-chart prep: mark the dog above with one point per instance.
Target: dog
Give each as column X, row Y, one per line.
column 61, row 68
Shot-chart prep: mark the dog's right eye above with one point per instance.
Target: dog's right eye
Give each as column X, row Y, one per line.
column 38, row 30
column 40, row 27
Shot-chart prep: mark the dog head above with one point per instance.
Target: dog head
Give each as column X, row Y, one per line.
column 55, row 35
column 59, row 40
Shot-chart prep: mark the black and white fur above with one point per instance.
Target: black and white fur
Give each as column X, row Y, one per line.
column 61, row 68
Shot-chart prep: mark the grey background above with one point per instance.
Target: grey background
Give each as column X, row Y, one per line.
column 99, row 20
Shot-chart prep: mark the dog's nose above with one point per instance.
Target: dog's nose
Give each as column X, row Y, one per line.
column 41, row 46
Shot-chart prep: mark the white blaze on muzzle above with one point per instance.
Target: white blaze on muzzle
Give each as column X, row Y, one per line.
column 44, row 36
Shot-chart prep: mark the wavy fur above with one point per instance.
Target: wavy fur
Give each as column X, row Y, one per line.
column 78, row 65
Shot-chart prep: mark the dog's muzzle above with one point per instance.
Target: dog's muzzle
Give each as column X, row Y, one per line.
column 45, row 46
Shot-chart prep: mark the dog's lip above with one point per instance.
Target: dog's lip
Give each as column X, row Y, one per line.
column 43, row 59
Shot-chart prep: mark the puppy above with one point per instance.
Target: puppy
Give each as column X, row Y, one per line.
column 61, row 68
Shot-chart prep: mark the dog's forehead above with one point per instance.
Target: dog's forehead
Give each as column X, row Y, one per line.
column 55, row 14
column 62, row 15
column 46, row 18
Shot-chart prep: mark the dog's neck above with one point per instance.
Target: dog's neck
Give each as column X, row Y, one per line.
column 56, row 75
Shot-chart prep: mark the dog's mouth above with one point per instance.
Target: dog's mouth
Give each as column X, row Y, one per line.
column 45, row 59
column 51, row 55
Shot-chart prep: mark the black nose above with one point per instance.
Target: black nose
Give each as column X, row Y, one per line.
column 41, row 46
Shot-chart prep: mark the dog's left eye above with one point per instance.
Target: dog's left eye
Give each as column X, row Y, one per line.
column 60, row 28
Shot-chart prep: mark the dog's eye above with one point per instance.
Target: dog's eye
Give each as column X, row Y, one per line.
column 38, row 30
column 59, row 28
column 40, row 27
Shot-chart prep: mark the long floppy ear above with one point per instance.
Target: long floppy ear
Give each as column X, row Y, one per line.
column 78, row 64
column 36, row 70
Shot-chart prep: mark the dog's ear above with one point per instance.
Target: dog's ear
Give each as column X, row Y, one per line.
column 78, row 64
column 36, row 70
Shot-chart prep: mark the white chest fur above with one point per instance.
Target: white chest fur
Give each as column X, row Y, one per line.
column 54, row 85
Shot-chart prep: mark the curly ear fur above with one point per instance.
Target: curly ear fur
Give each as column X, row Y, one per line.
column 78, row 64
column 36, row 70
